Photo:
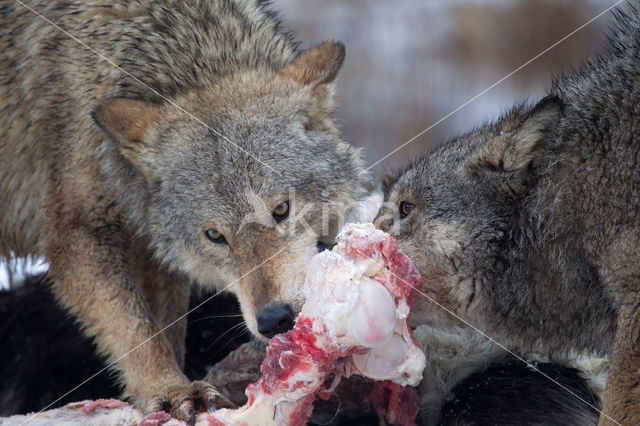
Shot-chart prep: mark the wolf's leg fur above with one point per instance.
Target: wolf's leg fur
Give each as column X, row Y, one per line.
column 622, row 394
column 93, row 279
column 166, row 294
column 171, row 302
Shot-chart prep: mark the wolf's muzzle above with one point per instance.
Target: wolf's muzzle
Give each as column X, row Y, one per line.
column 274, row 319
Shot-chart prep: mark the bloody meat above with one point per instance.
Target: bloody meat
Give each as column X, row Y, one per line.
column 354, row 321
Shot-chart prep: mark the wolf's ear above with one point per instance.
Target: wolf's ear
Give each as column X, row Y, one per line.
column 130, row 122
column 511, row 155
column 316, row 66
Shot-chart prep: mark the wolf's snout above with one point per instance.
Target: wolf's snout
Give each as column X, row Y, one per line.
column 274, row 319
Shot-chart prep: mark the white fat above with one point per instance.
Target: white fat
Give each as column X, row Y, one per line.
column 382, row 362
column 360, row 235
column 311, row 379
column 355, row 310
column 332, row 291
column 266, row 410
column 350, row 308
column 374, row 319
column 398, row 360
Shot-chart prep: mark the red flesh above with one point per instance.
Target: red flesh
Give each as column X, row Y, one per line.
column 103, row 403
column 155, row 419
column 399, row 405
column 298, row 350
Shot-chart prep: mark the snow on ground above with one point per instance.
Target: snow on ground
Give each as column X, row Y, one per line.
column 17, row 269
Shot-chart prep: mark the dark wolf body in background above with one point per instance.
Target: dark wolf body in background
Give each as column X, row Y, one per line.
column 529, row 227
column 512, row 393
column 175, row 166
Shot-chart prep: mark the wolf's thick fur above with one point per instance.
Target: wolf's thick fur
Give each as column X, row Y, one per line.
column 114, row 178
column 529, row 227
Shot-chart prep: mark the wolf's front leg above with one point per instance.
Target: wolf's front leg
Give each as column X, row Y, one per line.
column 622, row 395
column 93, row 278
column 167, row 295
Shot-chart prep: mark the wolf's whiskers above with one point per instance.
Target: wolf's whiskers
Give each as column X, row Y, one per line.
column 215, row 317
column 237, row 331
column 230, row 329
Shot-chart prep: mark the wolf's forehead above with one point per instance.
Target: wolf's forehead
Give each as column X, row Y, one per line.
column 431, row 179
column 239, row 175
column 259, row 192
column 442, row 162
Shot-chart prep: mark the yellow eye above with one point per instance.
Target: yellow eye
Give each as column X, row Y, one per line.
column 405, row 208
column 215, row 236
column 281, row 212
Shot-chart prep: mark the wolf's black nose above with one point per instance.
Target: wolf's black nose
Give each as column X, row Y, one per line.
column 274, row 319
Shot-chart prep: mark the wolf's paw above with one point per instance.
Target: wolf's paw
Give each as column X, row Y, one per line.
column 185, row 401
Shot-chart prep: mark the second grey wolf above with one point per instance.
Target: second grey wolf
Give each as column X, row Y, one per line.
column 167, row 160
column 529, row 227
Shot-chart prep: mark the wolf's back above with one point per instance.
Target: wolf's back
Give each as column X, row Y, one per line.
column 614, row 73
column 167, row 45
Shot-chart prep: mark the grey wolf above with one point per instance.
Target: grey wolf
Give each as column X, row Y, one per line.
column 173, row 167
column 529, row 227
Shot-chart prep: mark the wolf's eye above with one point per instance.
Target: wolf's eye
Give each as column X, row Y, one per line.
column 215, row 236
column 405, row 209
column 281, row 212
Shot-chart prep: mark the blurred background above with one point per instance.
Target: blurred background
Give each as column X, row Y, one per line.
column 411, row 62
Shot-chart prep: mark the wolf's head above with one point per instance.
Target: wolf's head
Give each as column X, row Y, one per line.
column 452, row 211
column 245, row 179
